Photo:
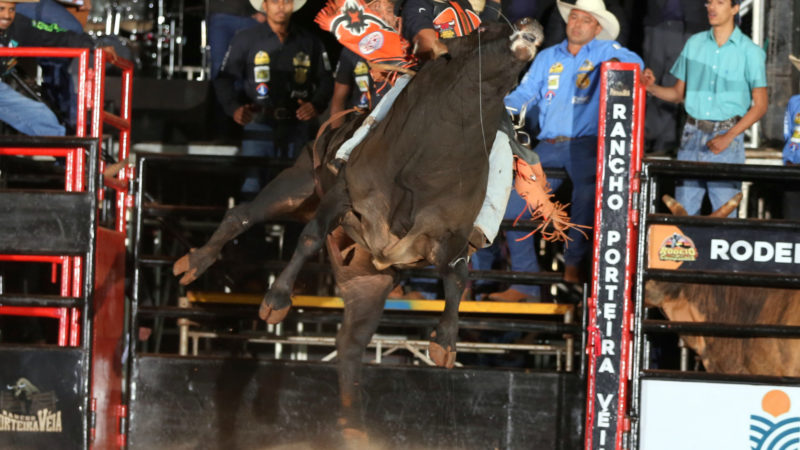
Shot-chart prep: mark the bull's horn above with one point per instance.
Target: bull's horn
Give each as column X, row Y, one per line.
column 728, row 207
column 674, row 206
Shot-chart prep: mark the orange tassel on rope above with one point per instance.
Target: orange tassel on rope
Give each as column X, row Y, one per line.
column 531, row 184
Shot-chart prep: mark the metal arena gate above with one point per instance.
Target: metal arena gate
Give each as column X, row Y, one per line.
column 68, row 395
column 679, row 409
column 236, row 402
column 629, row 403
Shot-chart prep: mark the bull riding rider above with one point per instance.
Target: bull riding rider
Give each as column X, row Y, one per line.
column 274, row 80
column 563, row 84
column 425, row 22
column 356, row 85
column 722, row 81
column 27, row 115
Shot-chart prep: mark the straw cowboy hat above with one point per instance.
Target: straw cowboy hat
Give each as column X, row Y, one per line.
column 597, row 9
column 258, row 4
column 795, row 60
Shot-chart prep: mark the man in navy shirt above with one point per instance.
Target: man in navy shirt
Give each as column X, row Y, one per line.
column 285, row 82
column 563, row 85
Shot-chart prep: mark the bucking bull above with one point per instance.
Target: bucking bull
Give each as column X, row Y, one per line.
column 740, row 305
column 408, row 197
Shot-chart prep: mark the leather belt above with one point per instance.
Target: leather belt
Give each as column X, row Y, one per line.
column 710, row 126
column 558, row 140
column 279, row 114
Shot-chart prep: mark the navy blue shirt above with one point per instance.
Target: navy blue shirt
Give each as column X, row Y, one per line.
column 353, row 71
column 565, row 88
column 272, row 73
column 449, row 20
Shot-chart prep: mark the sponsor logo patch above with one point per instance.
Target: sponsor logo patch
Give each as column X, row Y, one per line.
column 370, row 43
column 262, row 57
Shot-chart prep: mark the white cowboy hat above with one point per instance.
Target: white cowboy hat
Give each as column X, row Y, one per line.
column 795, row 60
column 597, row 9
column 258, row 4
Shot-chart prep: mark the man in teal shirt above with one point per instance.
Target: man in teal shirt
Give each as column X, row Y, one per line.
column 723, row 83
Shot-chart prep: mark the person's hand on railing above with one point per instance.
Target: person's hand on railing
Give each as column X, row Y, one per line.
column 111, row 54
column 648, row 78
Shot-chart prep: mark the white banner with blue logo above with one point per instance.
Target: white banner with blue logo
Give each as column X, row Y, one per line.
column 690, row 415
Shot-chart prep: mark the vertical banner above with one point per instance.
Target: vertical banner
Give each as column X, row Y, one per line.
column 619, row 160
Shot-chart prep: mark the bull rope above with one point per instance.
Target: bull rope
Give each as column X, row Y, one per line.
column 316, row 161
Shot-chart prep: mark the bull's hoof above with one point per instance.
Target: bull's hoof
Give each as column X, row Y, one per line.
column 442, row 357
column 275, row 307
column 182, row 266
column 356, row 437
column 193, row 264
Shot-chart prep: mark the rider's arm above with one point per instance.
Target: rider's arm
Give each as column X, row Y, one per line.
column 491, row 11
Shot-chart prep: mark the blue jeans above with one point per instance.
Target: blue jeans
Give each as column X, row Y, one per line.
column 522, row 253
column 579, row 158
column 271, row 140
column 27, row 115
column 690, row 193
column 221, row 29
column 56, row 71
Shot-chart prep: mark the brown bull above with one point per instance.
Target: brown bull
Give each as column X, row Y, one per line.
column 408, row 197
column 740, row 305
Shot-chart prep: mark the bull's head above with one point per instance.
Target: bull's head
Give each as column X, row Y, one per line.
column 527, row 37
column 23, row 386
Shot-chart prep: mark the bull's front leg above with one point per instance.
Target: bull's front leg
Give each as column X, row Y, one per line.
column 278, row 300
column 442, row 348
column 364, row 291
column 282, row 196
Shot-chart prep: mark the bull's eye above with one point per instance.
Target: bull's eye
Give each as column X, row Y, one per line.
column 529, row 37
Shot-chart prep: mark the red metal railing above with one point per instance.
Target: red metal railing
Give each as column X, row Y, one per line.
column 91, row 94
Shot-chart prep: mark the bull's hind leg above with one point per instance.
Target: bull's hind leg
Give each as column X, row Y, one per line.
column 364, row 291
column 278, row 299
column 442, row 348
column 282, row 196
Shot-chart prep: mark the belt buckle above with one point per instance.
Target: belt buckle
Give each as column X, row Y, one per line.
column 281, row 114
column 705, row 126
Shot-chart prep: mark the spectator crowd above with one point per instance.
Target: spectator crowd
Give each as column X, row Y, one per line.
column 706, row 83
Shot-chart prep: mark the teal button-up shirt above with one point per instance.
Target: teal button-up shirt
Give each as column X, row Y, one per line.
column 719, row 80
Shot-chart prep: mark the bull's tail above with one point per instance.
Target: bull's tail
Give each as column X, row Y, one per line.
column 531, row 184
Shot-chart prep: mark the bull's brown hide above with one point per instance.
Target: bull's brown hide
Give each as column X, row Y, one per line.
column 686, row 302
column 416, row 204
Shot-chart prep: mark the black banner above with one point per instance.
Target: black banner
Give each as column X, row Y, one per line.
column 729, row 248
column 42, row 399
column 614, row 256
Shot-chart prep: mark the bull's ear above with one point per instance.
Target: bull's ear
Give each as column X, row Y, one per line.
column 728, row 207
column 675, row 208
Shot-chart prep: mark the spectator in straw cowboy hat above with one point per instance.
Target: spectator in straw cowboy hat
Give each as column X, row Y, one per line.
column 563, row 84
column 722, row 82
